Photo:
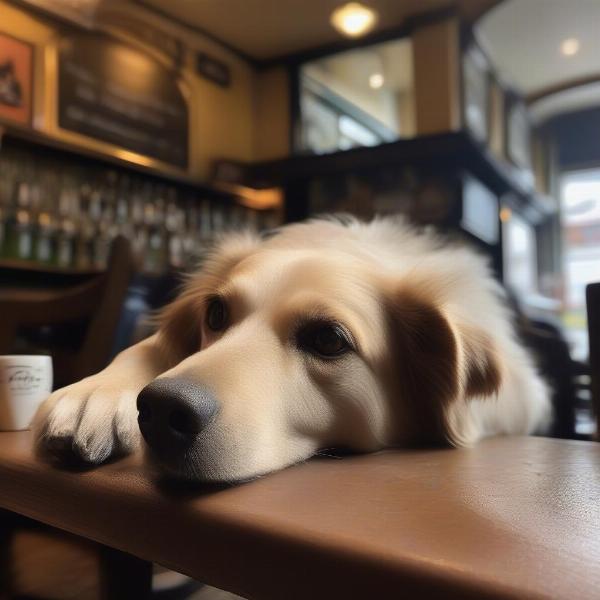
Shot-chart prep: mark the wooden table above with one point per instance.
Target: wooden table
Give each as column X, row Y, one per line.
column 511, row 518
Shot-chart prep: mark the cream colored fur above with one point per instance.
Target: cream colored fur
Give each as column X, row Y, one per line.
column 420, row 312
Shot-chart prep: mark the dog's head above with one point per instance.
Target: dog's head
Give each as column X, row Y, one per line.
column 319, row 337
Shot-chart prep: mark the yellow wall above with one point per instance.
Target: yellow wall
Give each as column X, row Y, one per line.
column 272, row 120
column 436, row 56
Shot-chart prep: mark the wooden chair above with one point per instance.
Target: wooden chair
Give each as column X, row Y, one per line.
column 593, row 315
column 92, row 308
column 81, row 313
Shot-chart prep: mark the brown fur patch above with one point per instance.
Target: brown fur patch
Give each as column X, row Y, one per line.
column 426, row 349
column 425, row 355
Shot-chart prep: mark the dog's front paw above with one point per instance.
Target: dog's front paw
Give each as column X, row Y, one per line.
column 91, row 420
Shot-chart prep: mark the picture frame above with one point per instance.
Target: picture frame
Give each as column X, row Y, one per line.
column 16, row 79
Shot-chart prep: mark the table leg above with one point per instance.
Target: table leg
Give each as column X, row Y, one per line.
column 123, row 576
column 7, row 527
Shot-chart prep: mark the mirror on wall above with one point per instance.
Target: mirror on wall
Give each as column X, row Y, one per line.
column 361, row 97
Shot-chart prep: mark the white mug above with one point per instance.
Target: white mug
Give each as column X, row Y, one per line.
column 25, row 382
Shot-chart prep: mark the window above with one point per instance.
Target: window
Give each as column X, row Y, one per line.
column 361, row 97
column 520, row 256
column 580, row 205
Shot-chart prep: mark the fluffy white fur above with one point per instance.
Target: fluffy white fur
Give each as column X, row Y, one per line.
column 435, row 359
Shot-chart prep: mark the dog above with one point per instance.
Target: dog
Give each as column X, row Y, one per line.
column 327, row 334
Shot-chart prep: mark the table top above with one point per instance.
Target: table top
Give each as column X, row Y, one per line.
column 511, row 518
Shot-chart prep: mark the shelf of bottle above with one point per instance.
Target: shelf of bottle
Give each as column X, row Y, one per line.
column 167, row 174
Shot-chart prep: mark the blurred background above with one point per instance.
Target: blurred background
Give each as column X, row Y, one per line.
column 135, row 131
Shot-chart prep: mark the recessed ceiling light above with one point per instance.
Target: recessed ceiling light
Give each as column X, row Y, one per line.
column 353, row 19
column 570, row 46
column 376, row 80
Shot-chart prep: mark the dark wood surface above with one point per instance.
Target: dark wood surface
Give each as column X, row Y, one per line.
column 511, row 518
column 454, row 151
column 455, row 148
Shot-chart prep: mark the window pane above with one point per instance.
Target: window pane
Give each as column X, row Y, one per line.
column 369, row 89
column 520, row 256
column 581, row 236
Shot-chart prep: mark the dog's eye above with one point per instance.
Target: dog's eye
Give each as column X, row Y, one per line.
column 325, row 340
column 216, row 315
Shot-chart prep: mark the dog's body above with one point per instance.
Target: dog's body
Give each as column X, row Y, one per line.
column 325, row 335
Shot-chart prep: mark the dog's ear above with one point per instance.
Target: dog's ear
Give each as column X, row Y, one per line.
column 438, row 365
column 180, row 322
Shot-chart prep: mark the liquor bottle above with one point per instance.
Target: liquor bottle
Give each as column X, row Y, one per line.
column 84, row 244
column 174, row 231
column 3, row 221
column 44, row 250
column 122, row 211
column 102, row 243
column 218, row 219
column 95, row 206
column 190, row 235
column 205, row 221
column 20, row 230
column 137, row 206
column 65, row 243
column 157, row 253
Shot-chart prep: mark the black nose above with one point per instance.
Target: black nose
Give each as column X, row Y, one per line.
column 172, row 411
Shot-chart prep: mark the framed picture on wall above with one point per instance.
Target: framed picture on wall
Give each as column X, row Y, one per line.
column 16, row 79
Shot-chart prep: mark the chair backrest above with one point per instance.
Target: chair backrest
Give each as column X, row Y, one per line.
column 96, row 303
column 97, row 344
column 593, row 315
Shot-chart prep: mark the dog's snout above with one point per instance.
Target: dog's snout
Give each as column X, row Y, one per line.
column 172, row 411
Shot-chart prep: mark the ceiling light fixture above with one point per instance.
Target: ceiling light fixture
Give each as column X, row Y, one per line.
column 353, row 19
column 570, row 47
column 376, row 81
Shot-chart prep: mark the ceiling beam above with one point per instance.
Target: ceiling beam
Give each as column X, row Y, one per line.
column 562, row 86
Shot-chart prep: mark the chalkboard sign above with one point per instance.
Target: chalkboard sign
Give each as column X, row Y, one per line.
column 115, row 93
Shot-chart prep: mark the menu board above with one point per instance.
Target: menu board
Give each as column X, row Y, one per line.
column 116, row 93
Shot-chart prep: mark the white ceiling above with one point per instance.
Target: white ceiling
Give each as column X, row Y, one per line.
column 265, row 29
column 523, row 38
